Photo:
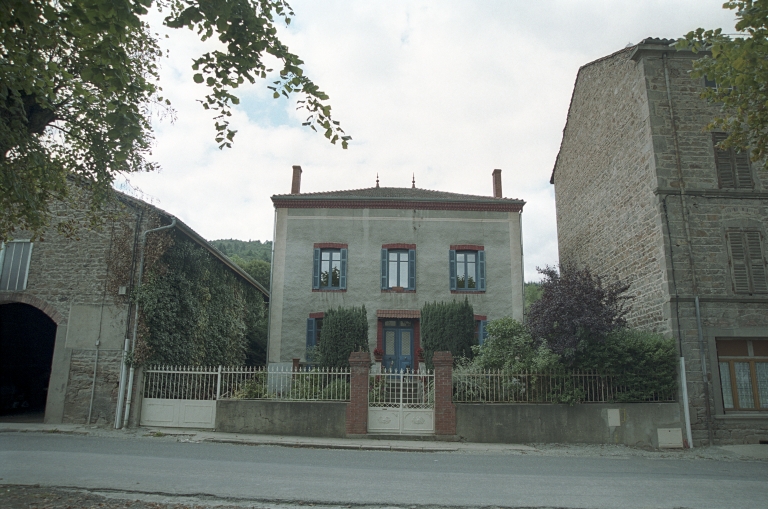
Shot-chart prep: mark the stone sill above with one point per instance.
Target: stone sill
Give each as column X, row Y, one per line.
column 744, row 416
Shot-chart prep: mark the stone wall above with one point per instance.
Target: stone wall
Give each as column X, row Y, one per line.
column 604, row 186
column 637, row 424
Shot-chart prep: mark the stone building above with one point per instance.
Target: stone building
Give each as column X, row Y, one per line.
column 391, row 249
column 66, row 315
column 644, row 194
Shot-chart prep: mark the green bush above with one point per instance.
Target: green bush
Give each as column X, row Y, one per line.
column 447, row 326
column 510, row 347
column 643, row 362
column 255, row 388
column 345, row 330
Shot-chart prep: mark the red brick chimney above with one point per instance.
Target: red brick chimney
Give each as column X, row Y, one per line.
column 496, row 183
column 296, row 182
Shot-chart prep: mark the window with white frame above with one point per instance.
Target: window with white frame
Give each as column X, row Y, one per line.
column 330, row 268
column 14, row 260
column 743, row 373
column 398, row 269
column 467, row 269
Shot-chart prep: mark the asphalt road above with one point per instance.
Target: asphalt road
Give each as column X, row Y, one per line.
column 163, row 466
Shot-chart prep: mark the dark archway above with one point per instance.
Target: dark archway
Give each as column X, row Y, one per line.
column 27, row 337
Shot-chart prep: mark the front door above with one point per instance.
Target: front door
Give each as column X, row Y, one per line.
column 398, row 345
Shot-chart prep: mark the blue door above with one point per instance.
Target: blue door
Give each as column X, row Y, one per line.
column 398, row 345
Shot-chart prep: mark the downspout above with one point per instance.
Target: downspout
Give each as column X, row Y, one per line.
column 694, row 283
column 126, row 345
column 129, row 395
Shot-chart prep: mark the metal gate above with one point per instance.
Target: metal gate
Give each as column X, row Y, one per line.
column 180, row 397
column 401, row 402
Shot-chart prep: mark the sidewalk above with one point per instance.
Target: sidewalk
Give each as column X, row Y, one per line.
column 753, row 452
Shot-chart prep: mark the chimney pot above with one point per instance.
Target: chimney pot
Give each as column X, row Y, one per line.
column 296, row 182
column 496, row 183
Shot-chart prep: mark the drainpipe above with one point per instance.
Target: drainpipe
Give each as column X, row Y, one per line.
column 694, row 283
column 129, row 396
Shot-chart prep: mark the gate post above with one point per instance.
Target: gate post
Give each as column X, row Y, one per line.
column 445, row 410
column 357, row 408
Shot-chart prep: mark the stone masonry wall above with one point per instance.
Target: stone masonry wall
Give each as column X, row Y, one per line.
column 710, row 212
column 604, row 184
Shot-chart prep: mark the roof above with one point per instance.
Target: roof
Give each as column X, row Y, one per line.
column 397, row 198
column 649, row 43
column 195, row 237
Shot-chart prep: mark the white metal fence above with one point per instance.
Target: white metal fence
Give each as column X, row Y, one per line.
column 246, row 382
column 574, row 386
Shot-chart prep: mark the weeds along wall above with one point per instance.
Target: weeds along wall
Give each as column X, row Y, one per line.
column 195, row 311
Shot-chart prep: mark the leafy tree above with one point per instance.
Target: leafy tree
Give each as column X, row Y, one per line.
column 532, row 293
column 246, row 250
column 345, row 330
column 576, row 309
column 511, row 347
column 79, row 83
column 447, row 326
column 739, row 66
column 257, row 269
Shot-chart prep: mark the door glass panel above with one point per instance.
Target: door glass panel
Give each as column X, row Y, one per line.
column 405, row 323
column 390, row 323
column 744, row 385
column 725, row 381
column 405, row 343
column 389, row 343
column 762, row 383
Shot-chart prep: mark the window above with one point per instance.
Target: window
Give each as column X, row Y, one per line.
column 330, row 267
column 747, row 262
column 467, row 268
column 744, row 373
column 14, row 260
column 398, row 267
column 733, row 170
column 314, row 326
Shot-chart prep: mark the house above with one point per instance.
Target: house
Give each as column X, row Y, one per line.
column 644, row 194
column 391, row 249
column 66, row 313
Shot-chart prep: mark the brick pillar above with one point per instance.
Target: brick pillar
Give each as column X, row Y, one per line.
column 445, row 411
column 357, row 408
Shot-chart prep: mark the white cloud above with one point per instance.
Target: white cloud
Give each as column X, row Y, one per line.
column 446, row 90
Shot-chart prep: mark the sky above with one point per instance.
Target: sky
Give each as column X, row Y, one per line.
column 443, row 91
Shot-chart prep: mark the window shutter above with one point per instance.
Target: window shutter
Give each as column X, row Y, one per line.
column 743, row 173
column 343, row 275
column 738, row 262
column 311, row 340
column 411, row 269
column 723, row 163
column 481, row 270
column 384, row 282
column 482, row 333
column 756, row 262
column 316, row 270
column 15, row 258
column 452, row 268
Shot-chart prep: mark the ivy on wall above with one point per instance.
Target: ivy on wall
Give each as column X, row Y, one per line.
column 195, row 311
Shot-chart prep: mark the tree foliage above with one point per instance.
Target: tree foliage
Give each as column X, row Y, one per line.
column 511, row 347
column 576, row 308
column 195, row 311
column 257, row 269
column 79, row 83
column 345, row 330
column 447, row 326
column 739, row 67
column 246, row 250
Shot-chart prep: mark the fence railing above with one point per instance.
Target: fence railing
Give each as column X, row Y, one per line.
column 569, row 387
column 246, row 382
column 401, row 388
